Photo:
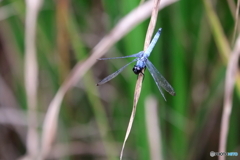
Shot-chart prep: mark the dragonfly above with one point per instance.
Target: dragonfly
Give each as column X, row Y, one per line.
column 142, row 62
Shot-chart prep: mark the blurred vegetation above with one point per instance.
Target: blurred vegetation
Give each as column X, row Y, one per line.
column 188, row 54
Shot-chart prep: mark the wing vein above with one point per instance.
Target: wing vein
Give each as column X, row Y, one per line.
column 139, row 54
column 113, row 75
column 159, row 79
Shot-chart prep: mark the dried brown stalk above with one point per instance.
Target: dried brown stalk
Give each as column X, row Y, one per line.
column 231, row 75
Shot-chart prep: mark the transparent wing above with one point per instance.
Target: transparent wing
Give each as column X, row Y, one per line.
column 113, row 75
column 139, row 54
column 159, row 79
column 153, row 42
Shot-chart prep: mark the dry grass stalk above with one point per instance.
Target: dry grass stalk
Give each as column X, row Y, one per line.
column 138, row 87
column 31, row 75
column 232, row 6
column 236, row 21
column 153, row 128
column 217, row 30
column 231, row 75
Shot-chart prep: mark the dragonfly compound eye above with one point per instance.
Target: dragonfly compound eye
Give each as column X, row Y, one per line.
column 137, row 69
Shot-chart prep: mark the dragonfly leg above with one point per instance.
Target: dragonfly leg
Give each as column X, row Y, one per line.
column 142, row 73
column 142, row 70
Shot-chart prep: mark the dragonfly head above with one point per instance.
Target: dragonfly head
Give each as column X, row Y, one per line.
column 137, row 69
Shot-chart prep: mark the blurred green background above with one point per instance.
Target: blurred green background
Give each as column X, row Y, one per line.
column 187, row 54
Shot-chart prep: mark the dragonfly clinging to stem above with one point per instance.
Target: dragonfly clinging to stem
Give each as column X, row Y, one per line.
column 143, row 62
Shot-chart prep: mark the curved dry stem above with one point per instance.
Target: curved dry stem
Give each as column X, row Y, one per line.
column 136, row 96
column 229, row 85
column 138, row 87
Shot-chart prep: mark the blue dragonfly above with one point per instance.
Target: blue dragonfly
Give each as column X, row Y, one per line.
column 142, row 63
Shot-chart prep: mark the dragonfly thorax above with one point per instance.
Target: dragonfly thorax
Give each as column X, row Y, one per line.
column 140, row 65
